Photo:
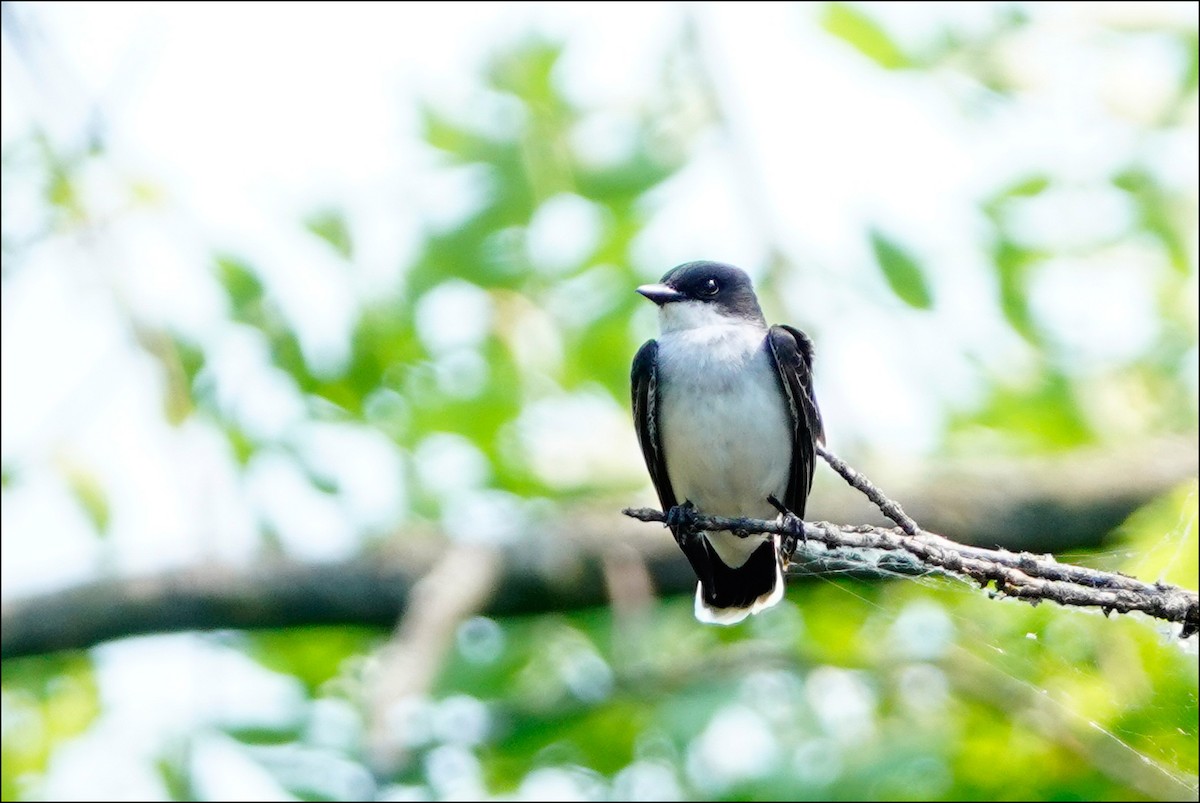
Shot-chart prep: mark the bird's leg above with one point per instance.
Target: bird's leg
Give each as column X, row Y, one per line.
column 682, row 521
column 795, row 530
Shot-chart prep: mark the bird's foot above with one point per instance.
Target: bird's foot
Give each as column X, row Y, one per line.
column 794, row 527
column 682, row 515
column 682, row 521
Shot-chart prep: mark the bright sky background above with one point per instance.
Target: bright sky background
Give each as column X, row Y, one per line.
column 246, row 118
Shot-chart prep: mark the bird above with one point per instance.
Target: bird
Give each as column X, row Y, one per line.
column 728, row 423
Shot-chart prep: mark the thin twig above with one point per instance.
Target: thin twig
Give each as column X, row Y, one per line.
column 1043, row 567
column 890, row 508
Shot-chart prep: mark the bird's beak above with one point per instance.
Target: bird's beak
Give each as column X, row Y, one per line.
column 660, row 293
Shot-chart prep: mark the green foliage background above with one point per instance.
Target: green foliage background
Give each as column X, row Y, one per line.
column 851, row 689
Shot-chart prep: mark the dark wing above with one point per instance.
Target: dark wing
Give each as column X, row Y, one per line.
column 644, row 380
column 792, row 353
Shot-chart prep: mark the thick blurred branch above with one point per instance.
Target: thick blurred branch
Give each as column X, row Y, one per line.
column 562, row 565
column 553, row 570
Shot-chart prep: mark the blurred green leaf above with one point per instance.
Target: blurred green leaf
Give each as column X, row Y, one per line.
column 602, row 352
column 902, row 271
column 180, row 363
column 317, row 475
column 174, row 767
column 314, row 655
column 600, row 738
column 330, row 225
column 526, row 71
column 1163, row 216
column 85, row 486
column 242, row 286
column 622, row 184
column 463, row 144
column 191, row 359
column 1164, row 537
column 1014, row 264
column 864, row 34
column 241, row 444
column 1025, row 187
column 266, row 736
column 1190, row 42
column 61, row 171
column 1041, row 415
column 46, row 701
column 61, row 191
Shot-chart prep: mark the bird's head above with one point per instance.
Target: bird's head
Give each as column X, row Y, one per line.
column 697, row 294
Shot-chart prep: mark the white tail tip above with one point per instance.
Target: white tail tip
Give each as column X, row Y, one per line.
column 731, row 616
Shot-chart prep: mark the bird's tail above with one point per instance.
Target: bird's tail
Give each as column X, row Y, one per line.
column 727, row 595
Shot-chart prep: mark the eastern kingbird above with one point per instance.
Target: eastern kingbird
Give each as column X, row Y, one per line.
column 726, row 417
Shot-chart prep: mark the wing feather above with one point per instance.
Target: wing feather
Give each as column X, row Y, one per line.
column 792, row 353
column 644, row 382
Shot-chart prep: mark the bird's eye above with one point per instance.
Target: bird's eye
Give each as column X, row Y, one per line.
column 710, row 288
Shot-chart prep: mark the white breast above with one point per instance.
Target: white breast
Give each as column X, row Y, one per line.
column 724, row 425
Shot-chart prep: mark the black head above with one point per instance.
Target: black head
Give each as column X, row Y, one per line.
column 726, row 288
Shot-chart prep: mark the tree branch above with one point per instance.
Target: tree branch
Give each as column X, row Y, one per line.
column 547, row 572
column 1045, row 503
column 1023, row 575
column 858, row 482
column 560, row 565
column 1033, row 578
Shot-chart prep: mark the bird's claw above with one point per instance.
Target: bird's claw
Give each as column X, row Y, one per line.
column 794, row 527
column 793, row 537
column 682, row 515
column 682, row 521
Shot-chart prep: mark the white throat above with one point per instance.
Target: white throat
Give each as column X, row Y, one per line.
column 680, row 316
